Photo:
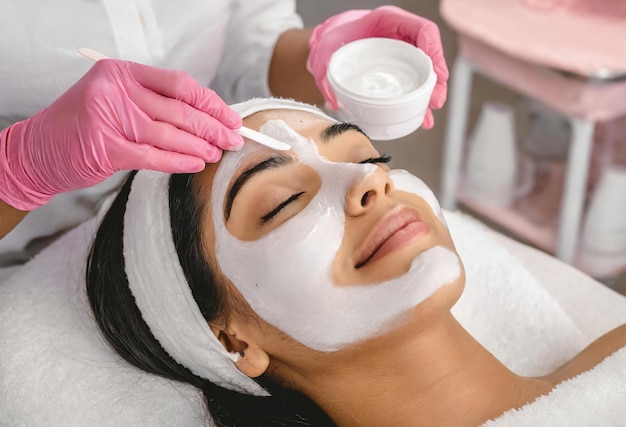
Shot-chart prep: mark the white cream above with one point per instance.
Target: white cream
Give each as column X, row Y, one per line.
column 286, row 275
column 405, row 181
column 374, row 79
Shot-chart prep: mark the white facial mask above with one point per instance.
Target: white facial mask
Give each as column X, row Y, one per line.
column 286, row 275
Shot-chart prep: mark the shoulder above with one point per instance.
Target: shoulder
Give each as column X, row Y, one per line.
column 592, row 355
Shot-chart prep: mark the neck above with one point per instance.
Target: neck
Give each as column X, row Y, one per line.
column 438, row 376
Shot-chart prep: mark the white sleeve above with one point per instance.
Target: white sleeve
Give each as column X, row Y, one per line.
column 253, row 30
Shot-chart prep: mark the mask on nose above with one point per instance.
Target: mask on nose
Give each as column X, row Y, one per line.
column 286, row 275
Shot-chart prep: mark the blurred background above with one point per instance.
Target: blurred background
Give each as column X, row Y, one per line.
column 421, row 152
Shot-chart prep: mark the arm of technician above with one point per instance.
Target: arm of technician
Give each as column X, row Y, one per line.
column 288, row 74
column 9, row 218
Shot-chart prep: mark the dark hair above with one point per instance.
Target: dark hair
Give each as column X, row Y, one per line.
column 120, row 320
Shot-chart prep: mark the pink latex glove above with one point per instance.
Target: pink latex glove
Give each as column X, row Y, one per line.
column 119, row 116
column 386, row 21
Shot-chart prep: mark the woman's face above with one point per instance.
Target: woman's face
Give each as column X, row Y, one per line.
column 323, row 241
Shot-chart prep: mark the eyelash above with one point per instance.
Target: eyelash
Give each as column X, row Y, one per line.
column 268, row 216
column 265, row 218
column 382, row 159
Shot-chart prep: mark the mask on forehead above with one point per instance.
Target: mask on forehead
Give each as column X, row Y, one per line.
column 286, row 275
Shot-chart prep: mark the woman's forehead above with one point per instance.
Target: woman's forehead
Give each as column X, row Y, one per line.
column 307, row 124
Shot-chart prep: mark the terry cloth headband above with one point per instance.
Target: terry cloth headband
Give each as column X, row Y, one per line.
column 158, row 283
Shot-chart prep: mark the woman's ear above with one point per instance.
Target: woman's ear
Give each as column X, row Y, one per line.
column 253, row 360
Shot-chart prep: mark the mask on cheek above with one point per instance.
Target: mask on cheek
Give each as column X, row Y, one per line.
column 404, row 181
column 286, row 275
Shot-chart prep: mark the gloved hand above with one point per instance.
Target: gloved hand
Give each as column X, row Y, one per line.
column 119, row 116
column 386, row 21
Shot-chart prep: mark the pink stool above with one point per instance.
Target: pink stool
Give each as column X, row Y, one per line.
column 568, row 54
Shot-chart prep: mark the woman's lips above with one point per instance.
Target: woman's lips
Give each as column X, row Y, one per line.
column 392, row 233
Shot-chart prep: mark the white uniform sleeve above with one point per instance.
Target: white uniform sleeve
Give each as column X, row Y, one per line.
column 253, row 30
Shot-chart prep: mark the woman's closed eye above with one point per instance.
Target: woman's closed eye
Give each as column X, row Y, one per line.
column 271, row 214
column 282, row 205
column 382, row 159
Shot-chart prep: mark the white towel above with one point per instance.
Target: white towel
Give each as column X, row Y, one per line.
column 594, row 398
column 505, row 307
column 55, row 369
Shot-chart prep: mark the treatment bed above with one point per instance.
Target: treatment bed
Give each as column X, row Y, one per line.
column 529, row 309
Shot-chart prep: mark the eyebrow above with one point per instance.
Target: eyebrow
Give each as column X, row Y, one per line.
column 270, row 163
column 339, row 128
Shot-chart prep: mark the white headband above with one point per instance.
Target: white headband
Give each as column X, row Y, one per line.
column 162, row 293
column 158, row 283
column 247, row 108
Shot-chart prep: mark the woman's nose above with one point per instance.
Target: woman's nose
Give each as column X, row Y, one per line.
column 365, row 193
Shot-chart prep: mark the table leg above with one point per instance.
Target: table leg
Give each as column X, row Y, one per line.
column 574, row 191
column 460, row 93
